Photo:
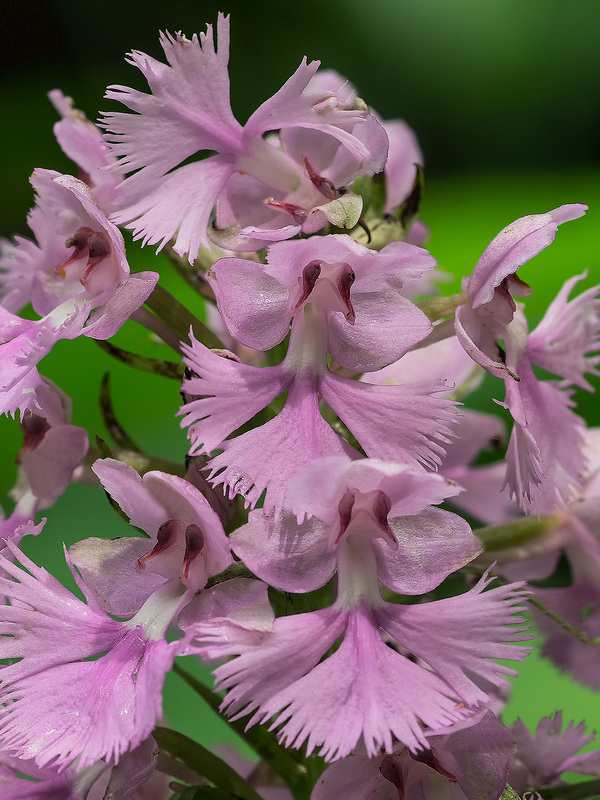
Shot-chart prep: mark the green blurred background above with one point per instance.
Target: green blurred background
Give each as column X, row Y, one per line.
column 502, row 94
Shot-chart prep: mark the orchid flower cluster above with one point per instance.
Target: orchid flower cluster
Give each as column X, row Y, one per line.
column 344, row 541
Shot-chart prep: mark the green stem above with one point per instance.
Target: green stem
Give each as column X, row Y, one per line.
column 192, row 274
column 179, row 319
column 437, row 308
column 202, row 762
column 518, row 532
column 283, row 762
column 155, row 366
column 563, row 623
column 170, row 766
column 143, row 317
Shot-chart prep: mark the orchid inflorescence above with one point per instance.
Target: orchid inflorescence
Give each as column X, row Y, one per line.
column 318, row 542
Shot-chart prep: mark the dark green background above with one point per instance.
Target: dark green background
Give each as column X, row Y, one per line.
column 503, row 95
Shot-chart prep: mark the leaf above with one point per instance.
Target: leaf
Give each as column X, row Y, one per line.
column 193, row 274
column 103, row 447
column 156, row 366
column 205, row 763
column 513, row 534
column 118, row 433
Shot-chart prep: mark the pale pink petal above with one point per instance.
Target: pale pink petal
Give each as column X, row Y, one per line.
column 372, row 414
column 126, row 298
column 330, row 158
column 401, row 166
column 294, row 647
column 413, row 569
column 184, row 502
column 445, row 360
column 545, row 451
column 50, row 465
column 134, row 776
column 328, row 81
column 483, row 497
column 124, row 484
column 108, row 568
column 585, row 764
column 482, row 753
column 240, row 602
column 292, row 106
column 477, row 432
column 230, row 393
column 73, row 206
column 317, row 490
column 266, row 457
column 265, row 321
column 188, row 109
column 364, row 691
column 288, row 556
column 34, row 340
column 568, row 336
column 478, row 335
column 82, row 142
column 59, row 704
column 159, row 498
column 374, row 270
column 21, row 260
column 356, row 777
column 418, row 234
column 179, row 206
column 387, row 325
column 76, row 629
column 476, row 756
column 514, row 246
column 262, row 237
column 579, row 605
column 462, row 634
column 545, row 754
column 88, row 709
column 22, row 395
column 48, row 784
